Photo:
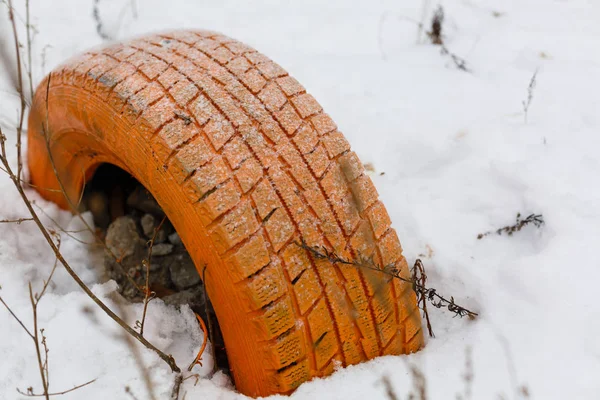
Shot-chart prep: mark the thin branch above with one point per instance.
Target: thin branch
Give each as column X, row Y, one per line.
column 430, row 294
column 149, row 295
column 418, row 275
column 176, row 387
column 37, row 343
column 29, row 47
column 31, row 394
column 38, row 297
column 16, row 318
column 459, row 62
column 15, row 221
column 11, row 16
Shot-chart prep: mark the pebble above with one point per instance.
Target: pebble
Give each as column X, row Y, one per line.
column 122, row 237
column 183, row 272
column 162, row 249
column 175, row 239
column 142, row 200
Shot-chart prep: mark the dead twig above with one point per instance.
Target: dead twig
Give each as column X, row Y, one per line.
column 436, row 36
column 99, row 25
column 29, row 28
column 43, row 371
column 15, row 221
column 418, row 275
column 31, row 394
column 459, row 62
column 148, row 294
column 391, row 270
column 20, row 90
column 15, row 317
column 176, row 387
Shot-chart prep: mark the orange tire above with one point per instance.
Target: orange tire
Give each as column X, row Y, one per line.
column 245, row 164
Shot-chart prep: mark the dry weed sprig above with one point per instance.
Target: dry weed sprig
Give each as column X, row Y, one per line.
column 437, row 23
column 391, row 270
column 530, row 89
column 436, row 36
column 536, row 220
column 459, row 62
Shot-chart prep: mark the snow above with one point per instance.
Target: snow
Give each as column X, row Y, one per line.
column 459, row 159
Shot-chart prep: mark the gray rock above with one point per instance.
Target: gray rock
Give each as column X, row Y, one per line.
column 183, row 272
column 142, row 200
column 148, row 223
column 193, row 296
column 122, row 237
column 162, row 249
column 175, row 239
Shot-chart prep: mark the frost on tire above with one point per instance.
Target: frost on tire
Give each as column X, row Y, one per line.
column 245, row 164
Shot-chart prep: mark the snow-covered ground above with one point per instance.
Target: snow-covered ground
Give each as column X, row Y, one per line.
column 459, row 158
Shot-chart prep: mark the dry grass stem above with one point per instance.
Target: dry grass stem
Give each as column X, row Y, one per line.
column 530, row 89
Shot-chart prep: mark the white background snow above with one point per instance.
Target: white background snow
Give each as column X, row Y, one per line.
column 458, row 157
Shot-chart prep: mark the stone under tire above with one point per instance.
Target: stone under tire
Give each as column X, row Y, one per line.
column 246, row 165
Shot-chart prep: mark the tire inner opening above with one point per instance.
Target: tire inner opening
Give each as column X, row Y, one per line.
column 128, row 217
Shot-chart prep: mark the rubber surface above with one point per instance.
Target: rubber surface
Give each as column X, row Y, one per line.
column 245, row 164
